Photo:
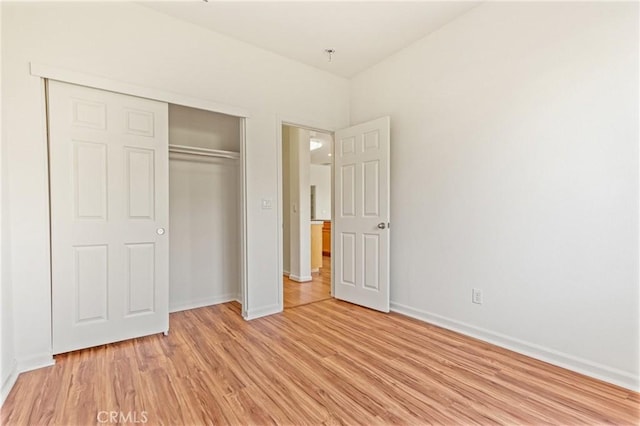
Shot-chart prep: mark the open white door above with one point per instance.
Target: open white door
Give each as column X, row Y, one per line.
column 361, row 222
column 109, row 213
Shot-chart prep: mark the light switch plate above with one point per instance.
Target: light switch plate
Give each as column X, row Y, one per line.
column 476, row 296
column 266, row 204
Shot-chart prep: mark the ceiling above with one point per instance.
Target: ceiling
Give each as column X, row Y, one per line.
column 362, row 32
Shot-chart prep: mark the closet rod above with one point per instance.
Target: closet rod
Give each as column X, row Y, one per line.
column 192, row 150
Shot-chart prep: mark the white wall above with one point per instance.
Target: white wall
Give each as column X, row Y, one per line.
column 299, row 204
column 515, row 170
column 130, row 43
column 320, row 176
column 7, row 353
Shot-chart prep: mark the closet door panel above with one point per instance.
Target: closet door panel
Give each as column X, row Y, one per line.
column 91, row 278
column 140, row 183
column 90, row 180
column 140, row 279
column 109, row 199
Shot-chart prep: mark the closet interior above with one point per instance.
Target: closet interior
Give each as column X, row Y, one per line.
column 204, row 208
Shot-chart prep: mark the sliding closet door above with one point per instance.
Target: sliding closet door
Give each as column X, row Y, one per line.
column 109, row 213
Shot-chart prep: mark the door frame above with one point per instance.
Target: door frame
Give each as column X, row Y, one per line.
column 45, row 72
column 284, row 120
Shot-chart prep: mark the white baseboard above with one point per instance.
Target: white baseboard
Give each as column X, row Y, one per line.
column 8, row 383
column 35, row 362
column 588, row 368
column 203, row 302
column 285, row 272
column 262, row 312
column 300, row 279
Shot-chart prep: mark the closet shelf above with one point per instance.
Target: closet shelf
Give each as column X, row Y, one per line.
column 206, row 152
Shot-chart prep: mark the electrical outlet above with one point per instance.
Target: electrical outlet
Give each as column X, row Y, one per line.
column 476, row 296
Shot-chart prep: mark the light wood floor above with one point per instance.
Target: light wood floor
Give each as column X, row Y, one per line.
column 297, row 294
column 323, row 363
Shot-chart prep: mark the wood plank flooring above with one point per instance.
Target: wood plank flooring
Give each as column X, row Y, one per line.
column 297, row 294
column 323, row 363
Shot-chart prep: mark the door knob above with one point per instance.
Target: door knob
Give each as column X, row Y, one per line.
column 382, row 225
column 160, row 231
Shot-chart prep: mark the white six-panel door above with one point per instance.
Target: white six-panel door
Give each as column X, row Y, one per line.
column 361, row 221
column 109, row 216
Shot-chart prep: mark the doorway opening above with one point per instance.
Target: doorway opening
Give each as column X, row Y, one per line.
column 204, row 208
column 307, row 210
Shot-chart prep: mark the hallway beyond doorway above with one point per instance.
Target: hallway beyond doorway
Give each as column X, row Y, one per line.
column 298, row 294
